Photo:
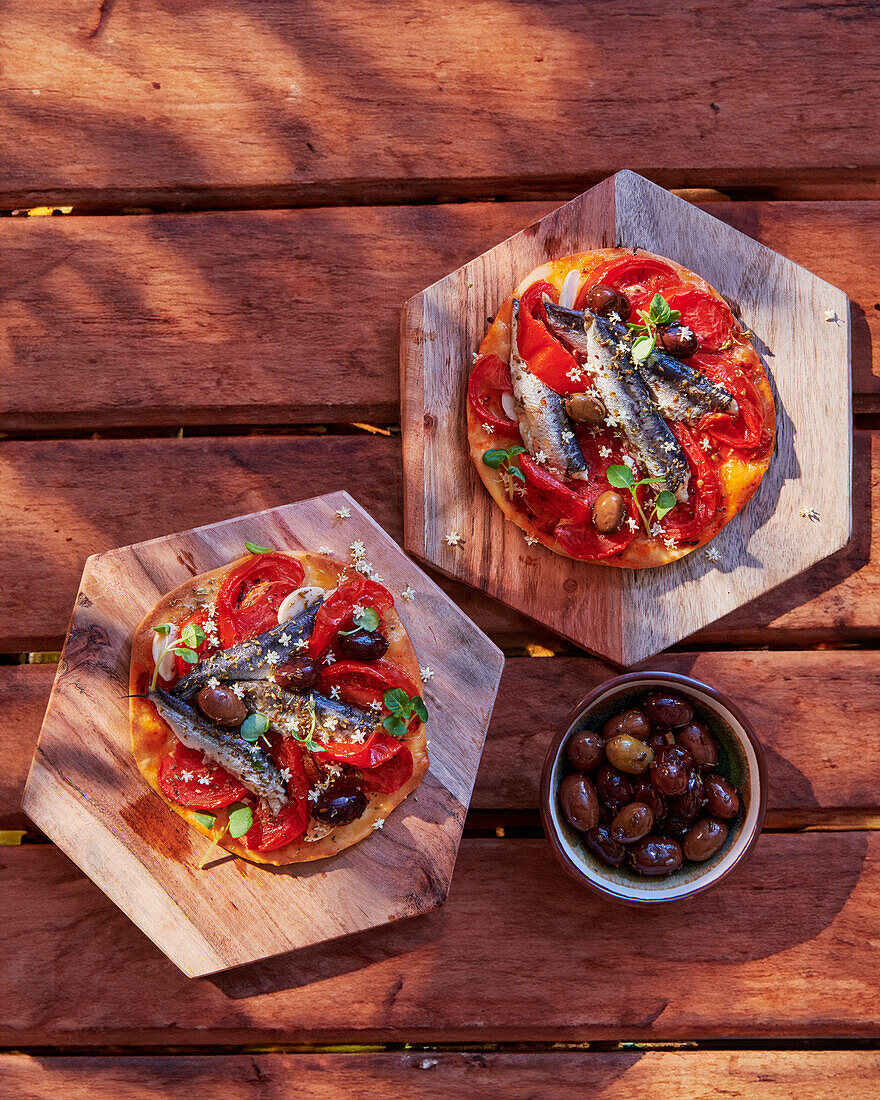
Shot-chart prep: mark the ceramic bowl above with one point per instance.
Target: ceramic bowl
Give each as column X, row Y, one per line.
column 741, row 761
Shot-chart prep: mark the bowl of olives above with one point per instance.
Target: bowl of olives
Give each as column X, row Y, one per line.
column 655, row 790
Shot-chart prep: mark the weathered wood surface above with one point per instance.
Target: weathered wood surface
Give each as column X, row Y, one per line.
column 267, row 103
column 628, row 615
column 85, row 792
column 781, row 948
column 615, row 1075
column 271, row 317
column 64, row 500
column 805, row 707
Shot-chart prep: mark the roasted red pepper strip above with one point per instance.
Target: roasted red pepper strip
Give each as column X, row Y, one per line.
column 250, row 595
column 546, row 357
column 687, row 522
column 489, row 379
column 270, row 831
column 391, row 775
column 361, row 684
column 744, row 432
column 337, row 609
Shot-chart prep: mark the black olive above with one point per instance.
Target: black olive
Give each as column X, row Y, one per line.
column 677, row 340
column 363, row 645
column 605, row 300
column 297, row 673
column 341, row 803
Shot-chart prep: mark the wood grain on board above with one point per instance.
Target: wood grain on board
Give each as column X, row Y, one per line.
column 254, row 318
column 519, row 952
column 85, row 792
column 258, row 102
column 794, row 699
column 436, row 1075
column 64, row 500
column 627, row 615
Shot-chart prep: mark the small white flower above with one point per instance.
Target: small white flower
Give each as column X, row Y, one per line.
column 273, row 658
column 453, row 538
column 238, row 689
column 628, row 460
column 712, row 554
column 427, row 673
column 363, row 566
column 375, row 705
column 324, row 550
column 632, row 524
column 334, row 692
column 300, row 645
column 285, row 774
column 530, row 540
column 213, row 682
column 575, row 374
column 605, row 452
column 343, row 512
column 408, row 593
column 357, row 548
column 377, row 578
column 670, row 543
column 541, row 458
column 204, row 780
column 379, row 822
column 810, row 514
column 567, row 435
column 331, row 722
column 187, row 777
column 488, row 429
column 330, row 659
column 285, row 638
column 314, row 794
column 656, row 529
column 358, row 609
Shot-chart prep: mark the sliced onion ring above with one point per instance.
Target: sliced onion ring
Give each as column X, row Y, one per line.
column 298, row 601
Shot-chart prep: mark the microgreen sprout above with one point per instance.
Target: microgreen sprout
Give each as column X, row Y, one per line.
column 501, row 458
column 364, row 618
column 658, row 313
column 241, row 818
column 402, row 709
column 253, row 727
column 622, row 477
column 184, row 647
column 252, row 548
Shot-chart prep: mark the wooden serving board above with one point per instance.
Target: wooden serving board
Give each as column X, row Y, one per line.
column 86, row 793
column 629, row 615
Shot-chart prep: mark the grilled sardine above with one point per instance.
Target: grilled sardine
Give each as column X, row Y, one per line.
column 284, row 707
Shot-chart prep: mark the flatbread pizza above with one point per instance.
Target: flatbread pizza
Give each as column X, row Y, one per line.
column 276, row 705
column 617, row 410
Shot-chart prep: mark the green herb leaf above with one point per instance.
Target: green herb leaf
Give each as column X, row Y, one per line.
column 192, row 635
column 395, row 726
column 664, row 503
column 494, row 457
column 642, row 348
column 241, row 818
column 188, row 655
column 517, row 472
column 254, row 549
column 396, row 700
column 207, row 820
column 621, row 477
column 253, row 727
column 420, row 708
column 674, row 315
column 659, row 311
column 402, row 709
column 163, row 628
column 515, row 450
column 368, row 619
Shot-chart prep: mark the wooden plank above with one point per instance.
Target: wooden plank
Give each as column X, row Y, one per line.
column 794, row 699
column 779, row 949
column 436, row 1075
column 234, row 318
column 64, row 500
column 269, row 103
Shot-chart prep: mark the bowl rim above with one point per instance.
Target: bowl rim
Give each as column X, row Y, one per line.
column 685, row 683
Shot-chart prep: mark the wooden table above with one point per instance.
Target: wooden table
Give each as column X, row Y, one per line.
column 256, row 187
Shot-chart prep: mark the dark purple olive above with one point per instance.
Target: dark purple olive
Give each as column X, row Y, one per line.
column 341, row 803
column 586, row 751
column 689, row 804
column 631, row 722
column 677, row 340
column 613, row 786
column 222, row 706
column 696, row 738
column 704, row 839
column 579, row 802
column 721, row 797
column 586, row 408
column 603, row 300
column 297, row 673
column 670, row 770
column 632, row 823
column 644, row 791
column 599, row 842
column 363, row 645
column 665, row 709
column 660, row 738
column 655, row 855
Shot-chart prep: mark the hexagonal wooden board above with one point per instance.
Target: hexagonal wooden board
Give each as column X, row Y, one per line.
column 86, row 793
column 627, row 615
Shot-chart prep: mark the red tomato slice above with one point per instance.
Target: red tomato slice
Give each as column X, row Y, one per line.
column 545, row 355
column 202, row 650
column 361, row 684
column 270, row 831
column 708, row 317
column 379, row 748
column 391, row 775
column 744, row 432
column 551, row 498
column 337, row 609
column 489, row 379
column 627, row 271
column 180, row 774
column 250, row 595
column 687, row 522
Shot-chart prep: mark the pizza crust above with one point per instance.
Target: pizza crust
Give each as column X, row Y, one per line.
column 739, row 478
column 152, row 738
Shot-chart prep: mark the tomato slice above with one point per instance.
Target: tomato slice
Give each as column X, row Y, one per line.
column 336, row 610
column 362, row 684
column 551, row 498
column 202, row 650
column 378, row 748
column 705, row 315
column 391, row 775
column 687, row 521
column 270, row 831
column 746, row 431
column 627, row 271
column 250, row 595
column 489, row 379
column 189, row 780
column 545, row 355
